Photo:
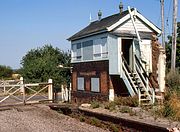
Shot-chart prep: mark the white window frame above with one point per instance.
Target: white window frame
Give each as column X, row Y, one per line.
column 80, row 83
column 95, row 84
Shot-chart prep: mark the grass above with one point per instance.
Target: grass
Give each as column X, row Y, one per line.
column 171, row 107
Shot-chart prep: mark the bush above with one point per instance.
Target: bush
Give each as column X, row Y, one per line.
column 172, row 106
column 82, row 118
column 95, row 104
column 95, row 122
column 173, row 80
column 5, row 72
column 110, row 106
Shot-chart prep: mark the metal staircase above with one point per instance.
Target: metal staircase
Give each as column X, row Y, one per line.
column 137, row 82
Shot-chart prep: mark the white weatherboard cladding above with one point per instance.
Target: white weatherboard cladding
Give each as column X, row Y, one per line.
column 114, row 55
column 146, row 53
column 128, row 26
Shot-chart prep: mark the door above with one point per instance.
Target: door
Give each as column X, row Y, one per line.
column 127, row 50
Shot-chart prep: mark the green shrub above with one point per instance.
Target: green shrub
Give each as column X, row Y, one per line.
column 95, row 122
column 95, row 104
column 82, row 118
column 173, row 80
column 110, row 106
column 125, row 109
column 114, row 128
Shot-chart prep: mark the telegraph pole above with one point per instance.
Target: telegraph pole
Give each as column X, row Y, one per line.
column 162, row 23
column 174, row 36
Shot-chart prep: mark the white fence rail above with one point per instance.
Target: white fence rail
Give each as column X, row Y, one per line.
column 15, row 91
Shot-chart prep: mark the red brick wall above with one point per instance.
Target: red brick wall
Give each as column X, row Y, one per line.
column 88, row 70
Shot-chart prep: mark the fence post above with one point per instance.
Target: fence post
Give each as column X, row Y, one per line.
column 69, row 92
column 22, row 90
column 62, row 93
column 4, row 86
column 50, row 90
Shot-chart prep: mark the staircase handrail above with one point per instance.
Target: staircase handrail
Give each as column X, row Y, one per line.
column 126, row 69
column 140, row 63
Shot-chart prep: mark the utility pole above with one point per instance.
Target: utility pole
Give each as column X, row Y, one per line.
column 162, row 23
column 174, row 36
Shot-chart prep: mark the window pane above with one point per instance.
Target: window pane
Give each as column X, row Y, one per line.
column 87, row 50
column 95, row 85
column 80, row 83
column 78, row 51
column 74, row 50
column 97, row 46
column 104, row 47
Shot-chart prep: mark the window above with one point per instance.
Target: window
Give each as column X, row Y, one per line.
column 97, row 48
column 87, row 50
column 104, row 47
column 74, row 48
column 80, row 83
column 76, row 51
column 95, row 85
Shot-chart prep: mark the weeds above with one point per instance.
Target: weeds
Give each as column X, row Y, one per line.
column 82, row 118
column 95, row 104
column 95, row 122
column 110, row 106
column 127, row 101
column 114, row 128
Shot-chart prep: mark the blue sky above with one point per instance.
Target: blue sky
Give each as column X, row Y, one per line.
column 28, row 24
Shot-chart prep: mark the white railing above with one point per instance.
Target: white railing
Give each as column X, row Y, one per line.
column 19, row 91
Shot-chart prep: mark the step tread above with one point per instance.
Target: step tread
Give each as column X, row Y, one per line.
column 145, row 99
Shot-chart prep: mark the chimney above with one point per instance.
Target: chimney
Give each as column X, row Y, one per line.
column 99, row 15
column 121, row 7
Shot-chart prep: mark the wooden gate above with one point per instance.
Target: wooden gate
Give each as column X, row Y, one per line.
column 14, row 92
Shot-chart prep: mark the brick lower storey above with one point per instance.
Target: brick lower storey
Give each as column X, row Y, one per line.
column 95, row 69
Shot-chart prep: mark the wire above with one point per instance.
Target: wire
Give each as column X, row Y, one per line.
column 167, row 20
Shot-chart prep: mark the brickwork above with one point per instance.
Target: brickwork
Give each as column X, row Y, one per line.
column 99, row 69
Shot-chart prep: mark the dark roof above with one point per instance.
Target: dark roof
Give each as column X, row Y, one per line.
column 99, row 25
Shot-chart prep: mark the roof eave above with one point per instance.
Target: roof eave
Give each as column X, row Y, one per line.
column 87, row 35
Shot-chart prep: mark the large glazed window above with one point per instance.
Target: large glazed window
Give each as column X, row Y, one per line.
column 80, row 83
column 87, row 50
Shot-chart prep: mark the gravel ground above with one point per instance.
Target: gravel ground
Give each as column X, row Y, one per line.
column 39, row 118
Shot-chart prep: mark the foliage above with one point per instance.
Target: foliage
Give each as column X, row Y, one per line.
column 114, row 128
column 110, row 105
column 173, row 80
column 127, row 101
column 5, row 71
column 95, row 104
column 171, row 106
column 82, row 118
column 95, row 122
column 169, row 48
column 41, row 64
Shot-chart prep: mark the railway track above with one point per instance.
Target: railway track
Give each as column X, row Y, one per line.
column 123, row 123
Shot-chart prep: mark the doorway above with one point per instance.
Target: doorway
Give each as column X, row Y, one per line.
column 127, row 50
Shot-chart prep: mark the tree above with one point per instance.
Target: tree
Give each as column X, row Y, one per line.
column 169, row 48
column 5, row 72
column 41, row 64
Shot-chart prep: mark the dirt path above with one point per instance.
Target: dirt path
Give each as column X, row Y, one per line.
column 39, row 118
